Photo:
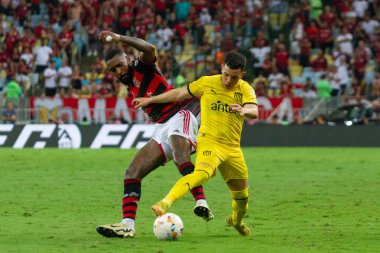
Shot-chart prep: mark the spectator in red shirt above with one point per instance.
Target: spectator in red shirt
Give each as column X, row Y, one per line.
column 363, row 50
column 179, row 34
column 160, row 8
column 225, row 19
column 40, row 30
column 326, row 17
column 312, row 33
column 125, row 20
column 320, row 62
column 325, row 37
column 105, row 90
column 28, row 40
column 359, row 66
column 65, row 41
column 338, row 5
column 11, row 38
column 242, row 20
column 65, row 10
column 267, row 65
column 90, row 13
column 257, row 18
column 15, row 55
column 228, row 43
column 107, row 14
column 4, row 54
column 193, row 15
column 286, row 88
column 20, row 12
column 282, row 60
column 199, row 4
column 305, row 49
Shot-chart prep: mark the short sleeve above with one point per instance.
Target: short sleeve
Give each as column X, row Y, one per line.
column 249, row 95
column 195, row 88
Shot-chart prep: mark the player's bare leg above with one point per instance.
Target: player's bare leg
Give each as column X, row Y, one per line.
column 181, row 151
column 145, row 161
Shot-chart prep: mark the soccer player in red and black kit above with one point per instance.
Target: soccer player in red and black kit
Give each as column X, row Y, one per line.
column 176, row 128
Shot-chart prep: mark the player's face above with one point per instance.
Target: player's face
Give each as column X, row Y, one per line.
column 119, row 66
column 230, row 77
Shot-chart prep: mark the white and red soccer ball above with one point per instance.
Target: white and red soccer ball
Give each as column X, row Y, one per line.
column 168, row 227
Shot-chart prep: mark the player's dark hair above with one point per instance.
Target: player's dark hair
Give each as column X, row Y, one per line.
column 235, row 60
column 112, row 52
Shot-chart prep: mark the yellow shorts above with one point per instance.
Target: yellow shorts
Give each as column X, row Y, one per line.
column 228, row 159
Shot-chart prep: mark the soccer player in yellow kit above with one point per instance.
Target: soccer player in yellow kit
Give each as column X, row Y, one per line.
column 225, row 102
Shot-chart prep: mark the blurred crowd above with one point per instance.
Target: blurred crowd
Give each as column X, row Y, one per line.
column 303, row 48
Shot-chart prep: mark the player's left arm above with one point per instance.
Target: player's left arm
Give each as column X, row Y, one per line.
column 250, row 111
column 178, row 94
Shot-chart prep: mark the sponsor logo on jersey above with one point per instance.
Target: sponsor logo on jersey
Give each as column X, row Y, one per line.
column 222, row 107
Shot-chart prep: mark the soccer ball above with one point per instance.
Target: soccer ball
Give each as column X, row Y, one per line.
column 168, row 227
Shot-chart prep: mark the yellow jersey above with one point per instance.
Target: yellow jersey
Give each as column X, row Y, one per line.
column 218, row 121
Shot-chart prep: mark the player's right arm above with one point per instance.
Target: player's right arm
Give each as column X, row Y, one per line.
column 178, row 94
column 148, row 51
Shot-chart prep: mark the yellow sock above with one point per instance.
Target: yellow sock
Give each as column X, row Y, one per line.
column 239, row 205
column 185, row 184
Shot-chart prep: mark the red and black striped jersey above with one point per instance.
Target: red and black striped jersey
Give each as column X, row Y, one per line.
column 193, row 105
column 146, row 80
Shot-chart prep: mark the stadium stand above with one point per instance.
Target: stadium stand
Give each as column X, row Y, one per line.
column 302, row 39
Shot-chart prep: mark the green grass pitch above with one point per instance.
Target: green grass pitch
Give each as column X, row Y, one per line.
column 301, row 200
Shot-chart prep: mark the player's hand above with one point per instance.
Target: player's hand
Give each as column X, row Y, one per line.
column 140, row 102
column 104, row 34
column 238, row 108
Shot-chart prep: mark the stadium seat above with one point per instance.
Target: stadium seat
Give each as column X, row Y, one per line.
column 299, row 80
column 307, row 73
column 35, row 18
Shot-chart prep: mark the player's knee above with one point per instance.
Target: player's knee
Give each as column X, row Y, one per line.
column 198, row 178
column 201, row 174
